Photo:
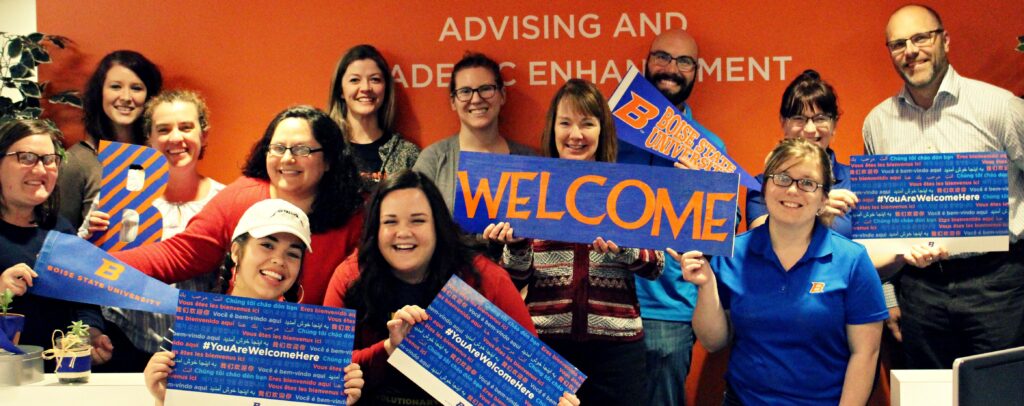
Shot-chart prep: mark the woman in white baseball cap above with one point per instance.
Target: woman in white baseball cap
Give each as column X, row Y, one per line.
column 267, row 248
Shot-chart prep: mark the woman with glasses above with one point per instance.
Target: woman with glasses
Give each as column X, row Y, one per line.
column 810, row 110
column 799, row 306
column 30, row 158
column 476, row 94
column 362, row 102
column 113, row 100
column 301, row 159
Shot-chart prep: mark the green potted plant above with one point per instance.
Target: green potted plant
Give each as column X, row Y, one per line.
column 72, row 352
column 11, row 324
column 20, row 94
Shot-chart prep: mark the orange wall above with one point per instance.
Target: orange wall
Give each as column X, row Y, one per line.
column 253, row 58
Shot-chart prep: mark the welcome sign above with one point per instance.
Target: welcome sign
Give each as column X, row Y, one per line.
column 646, row 119
column 577, row 201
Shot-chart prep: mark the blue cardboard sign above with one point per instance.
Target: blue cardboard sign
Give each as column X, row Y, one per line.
column 577, row 201
column 646, row 119
column 71, row 268
column 469, row 351
column 234, row 350
column 133, row 177
column 959, row 200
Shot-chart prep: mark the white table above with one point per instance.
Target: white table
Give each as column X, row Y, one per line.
column 925, row 387
column 103, row 389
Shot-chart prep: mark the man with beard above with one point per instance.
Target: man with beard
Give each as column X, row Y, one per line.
column 666, row 304
column 973, row 303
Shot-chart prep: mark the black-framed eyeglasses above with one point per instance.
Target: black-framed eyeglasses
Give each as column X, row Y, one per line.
column 819, row 120
column 806, row 184
column 684, row 63
column 466, row 93
column 921, row 39
column 31, row 158
column 296, row 150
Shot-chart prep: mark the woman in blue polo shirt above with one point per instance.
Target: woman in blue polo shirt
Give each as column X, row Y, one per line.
column 800, row 304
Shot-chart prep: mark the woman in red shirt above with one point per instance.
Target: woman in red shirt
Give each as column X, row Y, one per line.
column 409, row 249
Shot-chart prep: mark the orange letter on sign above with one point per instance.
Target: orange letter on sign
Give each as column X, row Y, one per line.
column 693, row 207
column 514, row 200
column 710, row 221
column 110, row 270
column 570, row 198
column 613, row 199
column 542, row 200
column 637, row 112
column 483, row 189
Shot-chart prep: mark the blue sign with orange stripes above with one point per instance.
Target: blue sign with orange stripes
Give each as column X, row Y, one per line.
column 133, row 177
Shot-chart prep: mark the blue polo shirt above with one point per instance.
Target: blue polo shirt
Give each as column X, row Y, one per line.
column 789, row 328
column 669, row 297
column 756, row 205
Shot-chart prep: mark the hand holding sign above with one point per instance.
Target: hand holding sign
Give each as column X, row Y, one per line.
column 401, row 323
column 17, row 278
column 694, row 266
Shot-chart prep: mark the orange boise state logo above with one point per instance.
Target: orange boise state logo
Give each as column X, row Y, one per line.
column 817, row 287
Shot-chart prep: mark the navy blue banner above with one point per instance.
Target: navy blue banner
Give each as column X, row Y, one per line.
column 577, row 201
column 646, row 119
column 72, row 269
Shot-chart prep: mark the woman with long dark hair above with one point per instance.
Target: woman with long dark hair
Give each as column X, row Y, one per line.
column 113, row 103
column 362, row 102
column 302, row 159
column 409, row 249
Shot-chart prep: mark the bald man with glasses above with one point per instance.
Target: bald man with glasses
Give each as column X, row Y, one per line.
column 974, row 303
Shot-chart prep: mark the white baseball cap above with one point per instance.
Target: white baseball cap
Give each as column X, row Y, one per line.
column 273, row 216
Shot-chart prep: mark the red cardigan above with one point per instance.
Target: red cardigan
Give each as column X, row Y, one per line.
column 369, row 353
column 207, row 238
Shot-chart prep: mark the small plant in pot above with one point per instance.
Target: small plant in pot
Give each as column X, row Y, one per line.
column 72, row 352
column 11, row 324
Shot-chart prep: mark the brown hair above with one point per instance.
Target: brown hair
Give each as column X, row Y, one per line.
column 801, row 148
column 171, row 96
column 585, row 98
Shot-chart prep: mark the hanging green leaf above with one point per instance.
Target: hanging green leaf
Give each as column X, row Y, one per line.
column 19, row 71
column 70, row 98
column 14, row 48
column 9, row 83
column 40, row 55
column 32, row 112
column 30, row 89
column 28, row 61
column 59, row 41
column 35, row 37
